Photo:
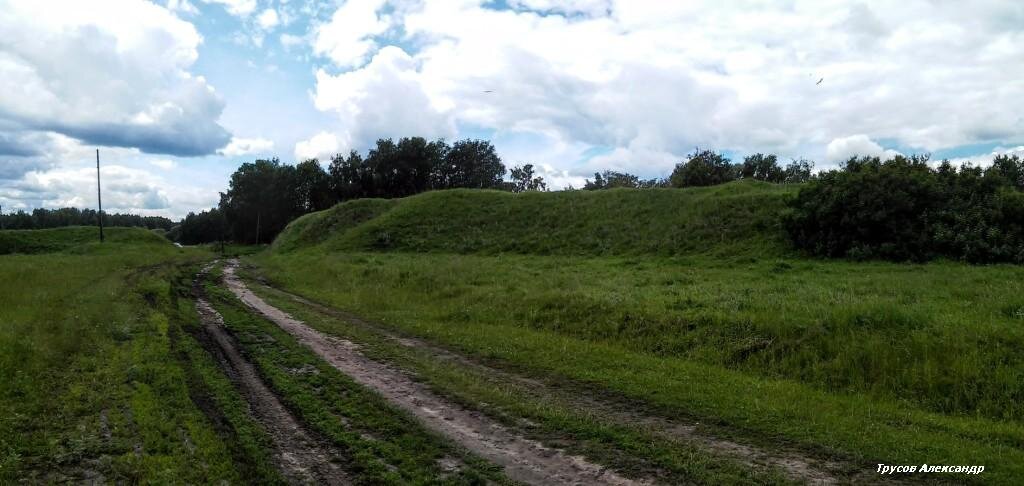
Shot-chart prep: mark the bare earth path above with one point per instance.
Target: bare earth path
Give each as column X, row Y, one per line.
column 523, row 460
column 296, row 453
column 793, row 463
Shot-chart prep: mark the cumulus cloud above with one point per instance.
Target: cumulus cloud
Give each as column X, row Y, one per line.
column 842, row 149
column 124, row 189
column 386, row 98
column 246, row 146
column 347, row 38
column 652, row 80
column 182, row 6
column 78, row 69
column 321, row 146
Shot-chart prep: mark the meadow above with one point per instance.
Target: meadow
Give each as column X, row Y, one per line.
column 659, row 297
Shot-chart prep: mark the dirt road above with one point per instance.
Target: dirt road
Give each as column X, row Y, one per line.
column 297, row 453
column 524, row 460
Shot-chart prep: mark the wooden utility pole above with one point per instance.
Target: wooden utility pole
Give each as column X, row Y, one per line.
column 99, row 195
column 257, row 228
column 1, row 216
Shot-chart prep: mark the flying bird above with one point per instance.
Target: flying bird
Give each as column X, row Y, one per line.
column 488, row 91
column 819, row 81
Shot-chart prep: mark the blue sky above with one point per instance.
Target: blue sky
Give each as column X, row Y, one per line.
column 177, row 93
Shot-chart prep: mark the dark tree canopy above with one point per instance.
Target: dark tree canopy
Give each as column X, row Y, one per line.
column 523, row 180
column 903, row 209
column 41, row 218
column 762, row 167
column 703, row 168
column 610, row 179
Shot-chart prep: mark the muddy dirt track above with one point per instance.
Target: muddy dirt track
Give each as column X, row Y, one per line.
column 298, row 454
column 794, row 464
column 523, row 460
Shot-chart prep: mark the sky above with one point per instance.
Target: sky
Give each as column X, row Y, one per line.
column 176, row 94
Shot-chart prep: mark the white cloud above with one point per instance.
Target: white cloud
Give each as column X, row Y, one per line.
column 321, row 146
column 246, row 146
column 347, row 38
column 842, row 149
column 239, row 8
column 288, row 41
column 386, row 98
column 81, row 70
column 268, row 19
column 183, row 6
column 165, row 164
column 652, row 80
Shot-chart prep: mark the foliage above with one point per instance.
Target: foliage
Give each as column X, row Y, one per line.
column 205, row 227
column 523, row 180
column 260, row 201
column 703, row 168
column 41, row 218
column 268, row 195
column 762, row 167
column 797, row 171
column 903, row 209
column 610, row 179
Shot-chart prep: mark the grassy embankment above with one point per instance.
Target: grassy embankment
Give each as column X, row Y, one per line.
column 690, row 301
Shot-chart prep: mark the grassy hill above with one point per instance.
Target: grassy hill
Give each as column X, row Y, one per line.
column 736, row 218
column 72, row 238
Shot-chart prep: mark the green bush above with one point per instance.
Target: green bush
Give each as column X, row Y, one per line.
column 903, row 209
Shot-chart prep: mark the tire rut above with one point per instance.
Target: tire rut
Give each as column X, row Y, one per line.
column 300, row 456
column 792, row 463
column 523, row 460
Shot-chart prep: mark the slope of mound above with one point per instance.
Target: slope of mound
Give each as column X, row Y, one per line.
column 72, row 238
column 731, row 219
column 315, row 228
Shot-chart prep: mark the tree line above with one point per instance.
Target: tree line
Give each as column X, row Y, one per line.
column 265, row 195
column 708, row 168
column 56, row 218
column 905, row 209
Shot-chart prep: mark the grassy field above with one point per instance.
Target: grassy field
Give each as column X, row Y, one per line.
column 689, row 301
column 91, row 387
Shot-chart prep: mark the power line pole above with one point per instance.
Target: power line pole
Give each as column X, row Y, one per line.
column 99, row 195
column 257, row 228
column 1, row 216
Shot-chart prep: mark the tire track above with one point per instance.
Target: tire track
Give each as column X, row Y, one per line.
column 523, row 460
column 794, row 464
column 297, row 453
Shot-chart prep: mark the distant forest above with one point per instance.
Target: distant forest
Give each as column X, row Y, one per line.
column 57, row 218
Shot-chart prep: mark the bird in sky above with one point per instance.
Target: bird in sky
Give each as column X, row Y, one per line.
column 488, row 91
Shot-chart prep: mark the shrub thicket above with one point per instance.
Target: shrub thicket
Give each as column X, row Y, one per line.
column 904, row 209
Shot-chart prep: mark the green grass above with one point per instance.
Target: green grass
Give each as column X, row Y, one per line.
column 689, row 300
column 90, row 383
column 552, row 417
column 871, row 361
column 731, row 219
column 384, row 445
column 75, row 239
